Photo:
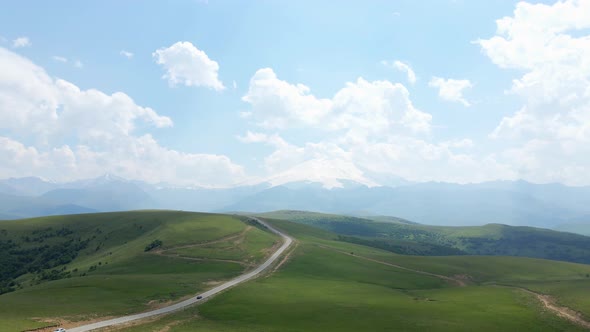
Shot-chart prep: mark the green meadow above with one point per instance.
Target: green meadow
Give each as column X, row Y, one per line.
column 112, row 274
column 330, row 285
column 121, row 263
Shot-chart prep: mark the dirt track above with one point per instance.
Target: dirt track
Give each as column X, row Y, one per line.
column 547, row 301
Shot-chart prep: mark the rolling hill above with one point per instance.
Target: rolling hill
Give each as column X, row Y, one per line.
column 116, row 263
column 416, row 239
column 71, row 268
column 329, row 285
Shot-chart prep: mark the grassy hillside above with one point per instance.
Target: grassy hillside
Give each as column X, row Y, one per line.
column 323, row 285
column 416, row 239
column 83, row 266
column 582, row 228
column 328, row 285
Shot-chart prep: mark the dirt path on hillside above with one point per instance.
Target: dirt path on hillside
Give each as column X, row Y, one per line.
column 239, row 236
column 285, row 258
column 222, row 239
column 550, row 304
column 208, row 259
column 453, row 280
column 547, row 301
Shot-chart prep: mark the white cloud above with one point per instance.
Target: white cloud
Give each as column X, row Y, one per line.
column 363, row 107
column 331, row 160
column 324, row 162
column 376, row 107
column 77, row 133
column 278, row 104
column 186, row 64
column 464, row 143
column 367, row 130
column 255, row 137
column 78, row 64
column 550, row 133
column 373, row 131
column 403, row 67
column 126, row 54
column 140, row 158
column 451, row 89
column 420, row 160
column 21, row 42
column 59, row 58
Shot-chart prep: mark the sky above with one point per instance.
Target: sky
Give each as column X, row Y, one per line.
column 226, row 93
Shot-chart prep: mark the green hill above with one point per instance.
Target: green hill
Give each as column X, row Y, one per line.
column 329, row 285
column 417, row 239
column 138, row 260
column 582, row 228
column 82, row 266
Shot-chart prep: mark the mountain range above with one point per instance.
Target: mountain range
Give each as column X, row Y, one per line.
column 505, row 202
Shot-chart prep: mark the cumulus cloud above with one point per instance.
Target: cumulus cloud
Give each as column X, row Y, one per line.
column 362, row 106
column 331, row 160
column 277, row 103
column 323, row 162
column 451, row 89
column 21, row 42
column 376, row 107
column 402, row 67
column 550, row 44
column 367, row 130
column 126, row 54
column 186, row 64
column 420, row 160
column 76, row 133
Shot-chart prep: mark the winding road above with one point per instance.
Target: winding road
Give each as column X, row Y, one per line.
column 210, row 293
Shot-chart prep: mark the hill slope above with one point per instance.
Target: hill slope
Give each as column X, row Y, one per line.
column 323, row 284
column 70, row 268
column 492, row 239
column 327, row 285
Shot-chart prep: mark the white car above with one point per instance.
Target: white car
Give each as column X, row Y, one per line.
column 60, row 330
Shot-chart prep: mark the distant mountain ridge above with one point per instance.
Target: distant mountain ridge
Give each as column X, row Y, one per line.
column 516, row 203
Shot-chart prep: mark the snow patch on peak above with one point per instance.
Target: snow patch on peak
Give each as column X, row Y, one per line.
column 330, row 173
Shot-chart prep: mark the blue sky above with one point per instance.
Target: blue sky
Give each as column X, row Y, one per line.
column 477, row 111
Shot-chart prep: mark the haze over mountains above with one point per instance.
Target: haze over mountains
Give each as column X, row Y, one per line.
column 507, row 202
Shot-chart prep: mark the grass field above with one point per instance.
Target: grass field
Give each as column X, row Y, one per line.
column 415, row 239
column 325, row 285
column 329, row 285
column 113, row 275
column 250, row 248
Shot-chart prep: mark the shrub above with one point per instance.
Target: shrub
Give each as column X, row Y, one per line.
column 153, row 245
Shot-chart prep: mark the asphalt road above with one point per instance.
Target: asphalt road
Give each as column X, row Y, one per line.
column 210, row 293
